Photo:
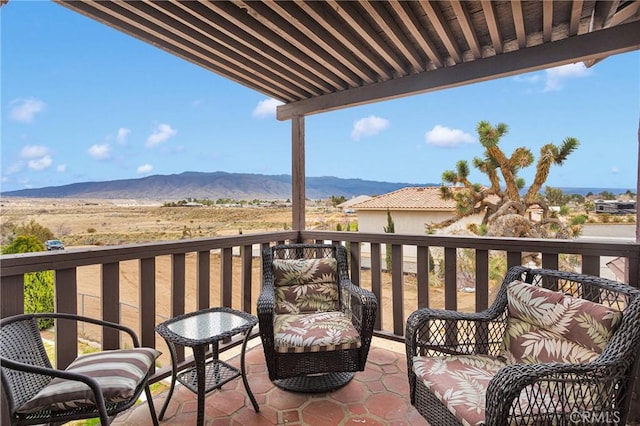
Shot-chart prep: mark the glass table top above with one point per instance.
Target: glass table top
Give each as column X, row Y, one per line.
column 206, row 325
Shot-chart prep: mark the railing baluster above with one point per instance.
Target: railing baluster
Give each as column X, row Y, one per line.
column 376, row 281
column 203, row 291
column 147, row 300
column 356, row 262
column 397, row 288
column 226, row 277
column 482, row 280
column 178, row 292
column 110, row 295
column 246, row 277
column 66, row 294
column 423, row 276
column 550, row 260
column 450, row 279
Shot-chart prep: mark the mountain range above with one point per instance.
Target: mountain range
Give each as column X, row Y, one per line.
column 212, row 186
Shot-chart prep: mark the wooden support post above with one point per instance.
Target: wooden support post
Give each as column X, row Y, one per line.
column 298, row 195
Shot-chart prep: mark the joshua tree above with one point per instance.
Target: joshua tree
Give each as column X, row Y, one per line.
column 504, row 208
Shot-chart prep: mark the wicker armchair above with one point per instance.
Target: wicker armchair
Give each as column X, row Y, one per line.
column 100, row 384
column 498, row 367
column 316, row 325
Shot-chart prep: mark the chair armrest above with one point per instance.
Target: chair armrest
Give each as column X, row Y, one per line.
column 265, row 310
column 62, row 374
column 80, row 318
column 436, row 332
column 558, row 391
column 360, row 304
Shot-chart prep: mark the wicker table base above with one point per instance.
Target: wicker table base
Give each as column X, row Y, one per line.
column 315, row 383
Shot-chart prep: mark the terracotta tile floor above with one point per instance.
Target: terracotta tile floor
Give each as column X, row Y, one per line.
column 377, row 396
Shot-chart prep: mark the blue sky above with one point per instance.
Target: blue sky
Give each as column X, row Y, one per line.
column 82, row 102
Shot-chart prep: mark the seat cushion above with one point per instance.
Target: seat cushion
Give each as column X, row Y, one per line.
column 315, row 332
column 547, row 326
column 459, row 382
column 305, row 285
column 118, row 372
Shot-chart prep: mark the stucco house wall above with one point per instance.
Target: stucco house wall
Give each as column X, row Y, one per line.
column 405, row 222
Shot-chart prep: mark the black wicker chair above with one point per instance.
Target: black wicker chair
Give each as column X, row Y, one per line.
column 301, row 362
column 560, row 393
column 100, row 384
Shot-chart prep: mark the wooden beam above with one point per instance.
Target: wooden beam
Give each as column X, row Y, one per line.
column 298, row 196
column 492, row 24
column 606, row 42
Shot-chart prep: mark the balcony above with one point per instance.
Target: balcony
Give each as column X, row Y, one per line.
column 141, row 285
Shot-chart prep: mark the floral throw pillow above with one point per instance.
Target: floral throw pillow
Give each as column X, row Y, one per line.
column 305, row 285
column 547, row 326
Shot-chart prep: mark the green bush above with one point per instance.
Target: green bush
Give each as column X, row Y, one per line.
column 38, row 286
column 579, row 219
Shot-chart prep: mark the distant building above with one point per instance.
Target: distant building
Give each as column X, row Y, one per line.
column 411, row 208
column 615, row 207
column 347, row 206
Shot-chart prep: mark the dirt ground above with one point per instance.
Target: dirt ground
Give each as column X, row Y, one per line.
column 105, row 222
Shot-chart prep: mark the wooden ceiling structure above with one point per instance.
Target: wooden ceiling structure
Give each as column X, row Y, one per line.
column 317, row 56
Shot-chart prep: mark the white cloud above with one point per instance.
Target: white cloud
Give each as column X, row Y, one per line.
column 24, row 110
column 266, row 108
column 445, row 137
column 530, row 78
column 368, row 126
column 100, row 151
column 33, row 151
column 161, row 134
column 14, row 168
column 61, row 168
column 40, row 163
column 144, row 169
column 615, row 170
column 121, row 138
column 555, row 77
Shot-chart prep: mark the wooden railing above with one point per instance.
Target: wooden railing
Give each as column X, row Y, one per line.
column 189, row 284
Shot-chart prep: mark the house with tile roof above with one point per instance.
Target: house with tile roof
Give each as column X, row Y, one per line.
column 412, row 210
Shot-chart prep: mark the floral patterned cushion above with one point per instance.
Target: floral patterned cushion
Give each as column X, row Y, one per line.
column 547, row 326
column 305, row 285
column 459, row 382
column 315, row 332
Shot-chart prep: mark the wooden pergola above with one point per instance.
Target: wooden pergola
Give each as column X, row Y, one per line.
column 318, row 56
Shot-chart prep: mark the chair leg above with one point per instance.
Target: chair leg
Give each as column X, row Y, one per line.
column 152, row 409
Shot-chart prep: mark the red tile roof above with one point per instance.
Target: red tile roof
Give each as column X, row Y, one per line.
column 410, row 198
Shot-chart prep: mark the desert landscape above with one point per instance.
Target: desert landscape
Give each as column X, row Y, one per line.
column 91, row 223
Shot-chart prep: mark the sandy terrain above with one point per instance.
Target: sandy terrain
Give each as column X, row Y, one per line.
column 105, row 222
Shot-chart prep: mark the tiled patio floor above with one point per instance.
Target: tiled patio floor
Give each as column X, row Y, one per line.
column 376, row 396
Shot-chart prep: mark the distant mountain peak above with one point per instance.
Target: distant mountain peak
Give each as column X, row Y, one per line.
column 212, row 185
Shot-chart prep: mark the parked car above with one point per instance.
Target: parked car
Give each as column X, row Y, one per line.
column 54, row 245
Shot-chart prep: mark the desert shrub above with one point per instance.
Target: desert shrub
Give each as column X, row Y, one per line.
column 605, row 218
column 91, row 230
column 579, row 219
column 33, row 228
